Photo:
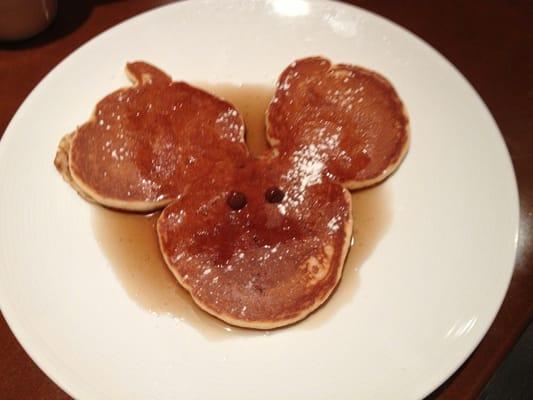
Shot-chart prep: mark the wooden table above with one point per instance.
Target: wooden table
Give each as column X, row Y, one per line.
column 490, row 42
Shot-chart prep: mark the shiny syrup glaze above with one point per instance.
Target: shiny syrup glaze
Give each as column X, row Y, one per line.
column 252, row 102
column 266, row 262
column 130, row 242
column 150, row 142
column 352, row 116
column 211, row 243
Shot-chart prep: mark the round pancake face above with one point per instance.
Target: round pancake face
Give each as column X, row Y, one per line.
column 145, row 145
column 265, row 263
column 352, row 116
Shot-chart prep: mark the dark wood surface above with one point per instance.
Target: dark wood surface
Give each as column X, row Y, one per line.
column 490, row 42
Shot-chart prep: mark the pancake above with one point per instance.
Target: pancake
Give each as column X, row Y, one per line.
column 351, row 115
column 259, row 243
column 267, row 264
column 146, row 145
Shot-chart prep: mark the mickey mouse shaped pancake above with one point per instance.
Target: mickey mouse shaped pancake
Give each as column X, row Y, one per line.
column 257, row 242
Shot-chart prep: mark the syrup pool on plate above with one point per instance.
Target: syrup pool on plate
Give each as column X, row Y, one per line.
column 130, row 243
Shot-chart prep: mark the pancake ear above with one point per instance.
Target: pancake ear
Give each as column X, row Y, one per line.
column 137, row 152
column 142, row 73
column 348, row 117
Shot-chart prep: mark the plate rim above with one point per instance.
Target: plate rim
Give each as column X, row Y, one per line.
column 60, row 374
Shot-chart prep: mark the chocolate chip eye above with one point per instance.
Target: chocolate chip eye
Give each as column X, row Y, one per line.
column 274, row 194
column 236, row 200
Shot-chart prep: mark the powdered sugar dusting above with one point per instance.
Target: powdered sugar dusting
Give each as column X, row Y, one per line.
column 309, row 162
column 334, row 223
column 230, row 125
column 149, row 187
column 306, row 170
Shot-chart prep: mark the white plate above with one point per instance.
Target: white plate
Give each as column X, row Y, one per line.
column 424, row 298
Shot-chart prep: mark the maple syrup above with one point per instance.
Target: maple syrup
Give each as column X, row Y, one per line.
column 130, row 242
column 252, row 102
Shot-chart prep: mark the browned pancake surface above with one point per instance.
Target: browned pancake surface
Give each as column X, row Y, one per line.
column 267, row 264
column 352, row 116
column 145, row 145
